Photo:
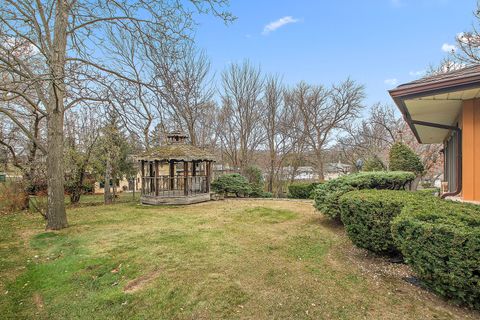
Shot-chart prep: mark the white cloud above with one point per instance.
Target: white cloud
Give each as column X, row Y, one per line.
column 448, row 47
column 417, row 73
column 274, row 25
column 391, row 82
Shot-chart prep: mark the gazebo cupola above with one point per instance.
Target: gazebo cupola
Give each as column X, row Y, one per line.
column 175, row 173
column 176, row 137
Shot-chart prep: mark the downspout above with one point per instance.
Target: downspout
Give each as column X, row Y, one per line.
column 459, row 168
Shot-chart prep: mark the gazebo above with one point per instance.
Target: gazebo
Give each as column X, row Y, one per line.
column 175, row 173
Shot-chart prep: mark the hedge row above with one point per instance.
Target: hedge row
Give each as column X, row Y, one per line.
column 367, row 217
column 327, row 195
column 301, row 190
column 234, row 183
column 440, row 239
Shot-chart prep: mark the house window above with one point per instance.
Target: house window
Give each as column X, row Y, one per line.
column 452, row 146
column 102, row 183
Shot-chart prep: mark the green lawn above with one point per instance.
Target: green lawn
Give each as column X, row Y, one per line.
column 252, row 259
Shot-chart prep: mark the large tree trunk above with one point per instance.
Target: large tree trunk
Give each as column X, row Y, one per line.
column 56, row 215
column 321, row 175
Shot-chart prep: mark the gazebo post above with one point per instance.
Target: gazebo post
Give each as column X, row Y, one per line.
column 194, row 174
column 156, row 178
column 185, row 175
column 209, row 172
column 143, row 175
column 172, row 175
column 150, row 169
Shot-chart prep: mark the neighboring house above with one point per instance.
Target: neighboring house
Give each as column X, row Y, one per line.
column 335, row 170
column 122, row 185
column 445, row 108
column 331, row 171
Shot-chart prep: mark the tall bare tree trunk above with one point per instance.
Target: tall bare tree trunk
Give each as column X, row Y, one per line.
column 108, row 177
column 320, row 168
column 56, row 215
column 271, row 172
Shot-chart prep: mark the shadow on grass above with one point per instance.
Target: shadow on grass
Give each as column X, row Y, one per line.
column 330, row 224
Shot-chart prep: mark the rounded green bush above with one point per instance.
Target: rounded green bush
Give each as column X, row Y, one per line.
column 327, row 194
column 441, row 241
column 232, row 183
column 374, row 164
column 367, row 215
column 301, row 190
column 402, row 157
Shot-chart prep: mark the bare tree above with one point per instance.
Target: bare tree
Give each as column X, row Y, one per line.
column 22, row 136
column 186, row 87
column 67, row 35
column 324, row 111
column 228, row 133
column 206, row 131
column 450, row 63
column 373, row 136
column 281, row 129
column 81, row 135
column 241, row 111
column 469, row 43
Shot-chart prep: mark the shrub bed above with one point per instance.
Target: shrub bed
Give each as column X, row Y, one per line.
column 12, row 197
column 301, row 190
column 441, row 241
column 328, row 194
column 238, row 185
column 367, row 217
column 232, row 183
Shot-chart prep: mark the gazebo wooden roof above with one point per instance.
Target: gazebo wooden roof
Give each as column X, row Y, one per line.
column 176, row 152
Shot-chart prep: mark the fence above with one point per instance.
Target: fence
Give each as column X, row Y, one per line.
column 166, row 186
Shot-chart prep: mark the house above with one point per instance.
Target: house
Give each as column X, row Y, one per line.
column 123, row 184
column 335, row 170
column 309, row 173
column 445, row 108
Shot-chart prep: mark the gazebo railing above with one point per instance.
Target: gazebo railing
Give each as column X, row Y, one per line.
column 166, row 186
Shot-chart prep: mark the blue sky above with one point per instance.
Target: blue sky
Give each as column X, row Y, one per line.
column 379, row 43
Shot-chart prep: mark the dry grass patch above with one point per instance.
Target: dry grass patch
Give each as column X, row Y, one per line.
column 249, row 259
column 140, row 282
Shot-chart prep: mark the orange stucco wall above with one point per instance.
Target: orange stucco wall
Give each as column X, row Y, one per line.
column 470, row 123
